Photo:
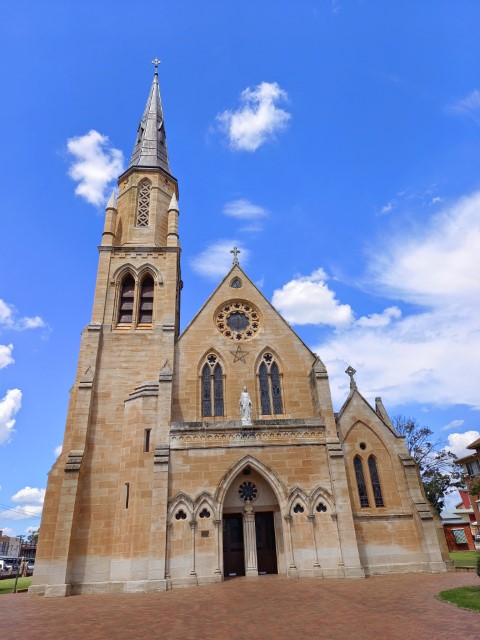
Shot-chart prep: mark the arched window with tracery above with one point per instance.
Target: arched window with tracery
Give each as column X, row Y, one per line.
column 212, row 388
column 143, row 203
column 269, row 380
column 126, row 301
column 361, row 485
column 145, row 307
column 375, row 480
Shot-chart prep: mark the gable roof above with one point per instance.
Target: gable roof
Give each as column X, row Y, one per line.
column 236, row 270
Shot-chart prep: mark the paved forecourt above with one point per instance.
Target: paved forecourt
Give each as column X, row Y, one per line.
column 268, row 607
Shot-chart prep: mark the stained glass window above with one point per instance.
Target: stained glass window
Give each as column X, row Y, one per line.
column 362, row 487
column 264, row 390
column 206, row 392
column 270, row 387
column 218, row 389
column 377, row 490
column 276, row 392
column 127, row 293
column 212, row 387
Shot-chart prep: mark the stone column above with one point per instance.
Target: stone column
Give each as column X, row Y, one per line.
column 317, row 569
column 292, row 571
column 218, row 550
column 250, row 541
column 193, row 527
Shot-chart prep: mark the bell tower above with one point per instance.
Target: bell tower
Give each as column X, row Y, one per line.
column 107, row 492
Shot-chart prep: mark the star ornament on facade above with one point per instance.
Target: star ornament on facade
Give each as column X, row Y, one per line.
column 239, row 354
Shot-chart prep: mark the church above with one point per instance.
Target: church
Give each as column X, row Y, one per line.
column 193, row 457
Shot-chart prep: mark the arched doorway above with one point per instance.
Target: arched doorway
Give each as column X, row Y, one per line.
column 251, row 521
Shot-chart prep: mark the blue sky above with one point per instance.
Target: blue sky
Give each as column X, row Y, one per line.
column 335, row 142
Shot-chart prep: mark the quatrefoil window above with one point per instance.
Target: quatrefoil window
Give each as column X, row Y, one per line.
column 247, row 491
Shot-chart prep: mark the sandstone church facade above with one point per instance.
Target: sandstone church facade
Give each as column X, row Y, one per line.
column 160, row 483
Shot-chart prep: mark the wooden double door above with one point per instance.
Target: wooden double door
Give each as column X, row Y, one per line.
column 233, row 544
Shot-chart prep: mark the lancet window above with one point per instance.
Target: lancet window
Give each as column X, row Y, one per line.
column 269, row 380
column 126, row 303
column 212, row 387
column 361, row 485
column 143, row 203
column 375, row 480
column 135, row 301
column 145, row 308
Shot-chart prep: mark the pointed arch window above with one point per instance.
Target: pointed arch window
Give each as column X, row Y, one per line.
column 269, row 380
column 361, row 485
column 375, row 480
column 143, row 203
column 212, row 388
column 145, row 309
column 127, row 295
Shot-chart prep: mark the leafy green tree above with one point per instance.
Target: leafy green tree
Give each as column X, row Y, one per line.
column 33, row 537
column 440, row 475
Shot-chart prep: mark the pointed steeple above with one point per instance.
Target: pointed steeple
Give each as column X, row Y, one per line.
column 150, row 148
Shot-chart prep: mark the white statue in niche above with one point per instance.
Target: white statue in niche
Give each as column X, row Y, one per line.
column 245, row 404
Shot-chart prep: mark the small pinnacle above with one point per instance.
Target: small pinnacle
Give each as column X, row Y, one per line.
column 173, row 206
column 112, row 203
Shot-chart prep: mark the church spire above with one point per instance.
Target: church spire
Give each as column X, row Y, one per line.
column 150, row 148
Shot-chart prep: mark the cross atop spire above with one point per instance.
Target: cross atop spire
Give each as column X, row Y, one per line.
column 235, row 251
column 150, row 148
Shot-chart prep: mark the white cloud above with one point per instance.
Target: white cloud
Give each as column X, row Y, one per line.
column 29, row 504
column 96, row 164
column 258, row 118
column 30, row 495
column 437, row 264
column 216, row 260
column 431, row 356
column 5, row 313
column 458, row 442
column 387, row 207
column 244, row 210
column 309, row 300
column 32, row 323
column 8, row 531
column 6, row 355
column 58, row 450
column 21, row 512
column 9, row 319
column 454, row 424
column 9, row 406
column 467, row 106
column 380, row 319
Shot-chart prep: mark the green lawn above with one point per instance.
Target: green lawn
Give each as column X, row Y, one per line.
column 464, row 558
column 464, row 597
column 6, row 586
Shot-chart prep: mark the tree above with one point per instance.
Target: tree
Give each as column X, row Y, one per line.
column 33, row 537
column 436, row 464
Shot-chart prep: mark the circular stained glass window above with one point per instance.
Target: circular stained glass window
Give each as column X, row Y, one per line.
column 247, row 491
column 238, row 320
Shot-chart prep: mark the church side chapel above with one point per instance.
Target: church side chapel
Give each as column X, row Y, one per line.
column 191, row 458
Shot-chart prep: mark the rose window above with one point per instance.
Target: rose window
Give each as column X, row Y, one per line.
column 247, row 491
column 238, row 320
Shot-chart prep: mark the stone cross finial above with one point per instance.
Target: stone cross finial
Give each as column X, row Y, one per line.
column 235, row 251
column 350, row 371
column 156, row 62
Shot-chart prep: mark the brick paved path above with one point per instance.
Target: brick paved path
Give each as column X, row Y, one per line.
column 269, row 607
